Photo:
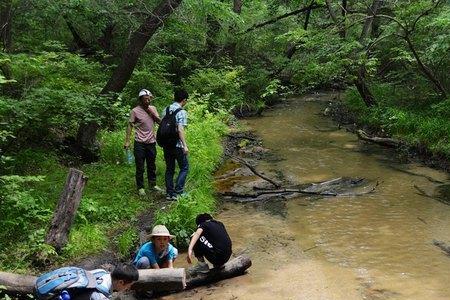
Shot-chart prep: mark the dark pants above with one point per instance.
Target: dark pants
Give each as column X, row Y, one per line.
column 145, row 153
column 170, row 156
column 214, row 256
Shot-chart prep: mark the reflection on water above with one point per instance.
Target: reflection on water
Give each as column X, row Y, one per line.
column 376, row 246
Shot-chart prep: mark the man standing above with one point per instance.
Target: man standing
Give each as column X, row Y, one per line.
column 179, row 152
column 142, row 118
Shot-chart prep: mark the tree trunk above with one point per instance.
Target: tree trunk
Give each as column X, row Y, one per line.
column 137, row 42
column 66, row 210
column 235, row 267
column 237, row 6
column 155, row 280
column 363, row 89
column 367, row 28
column 5, row 24
column 87, row 132
column 343, row 31
column 105, row 41
column 360, row 81
column 16, row 284
column 161, row 280
column 80, row 44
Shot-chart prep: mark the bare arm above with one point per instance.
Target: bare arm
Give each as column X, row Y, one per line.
column 154, row 114
column 194, row 240
column 182, row 136
column 170, row 263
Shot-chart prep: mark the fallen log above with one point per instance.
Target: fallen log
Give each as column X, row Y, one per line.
column 235, row 267
column 161, row 280
column 156, row 280
column 389, row 142
column 17, row 284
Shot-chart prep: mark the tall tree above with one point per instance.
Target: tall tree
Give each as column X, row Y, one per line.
column 5, row 24
column 360, row 81
column 87, row 132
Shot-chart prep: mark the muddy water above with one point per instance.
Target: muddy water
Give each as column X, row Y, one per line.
column 376, row 246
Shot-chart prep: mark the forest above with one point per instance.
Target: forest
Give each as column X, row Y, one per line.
column 71, row 72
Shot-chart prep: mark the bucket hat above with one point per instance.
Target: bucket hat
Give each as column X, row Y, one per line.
column 160, row 230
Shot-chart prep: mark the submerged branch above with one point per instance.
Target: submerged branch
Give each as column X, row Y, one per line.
column 242, row 161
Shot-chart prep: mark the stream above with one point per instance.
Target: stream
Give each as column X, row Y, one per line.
column 374, row 246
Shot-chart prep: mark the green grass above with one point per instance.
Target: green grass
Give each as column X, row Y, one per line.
column 420, row 122
column 109, row 206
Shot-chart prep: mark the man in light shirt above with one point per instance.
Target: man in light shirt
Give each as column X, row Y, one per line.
column 142, row 119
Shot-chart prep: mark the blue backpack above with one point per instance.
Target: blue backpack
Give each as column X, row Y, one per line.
column 73, row 280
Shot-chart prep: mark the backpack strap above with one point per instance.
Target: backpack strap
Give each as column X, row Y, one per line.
column 100, row 285
column 176, row 111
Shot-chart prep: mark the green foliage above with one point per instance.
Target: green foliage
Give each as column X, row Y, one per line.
column 126, row 242
column 85, row 240
column 426, row 125
column 21, row 212
column 224, row 86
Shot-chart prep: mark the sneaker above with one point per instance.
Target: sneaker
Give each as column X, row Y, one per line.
column 141, row 192
column 158, row 189
column 200, row 268
column 171, row 197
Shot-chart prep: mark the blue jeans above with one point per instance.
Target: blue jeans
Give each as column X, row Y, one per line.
column 145, row 153
column 170, row 156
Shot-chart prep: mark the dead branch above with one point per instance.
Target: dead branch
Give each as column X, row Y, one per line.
column 276, row 19
column 443, row 246
column 242, row 161
column 306, row 191
column 379, row 140
column 431, row 179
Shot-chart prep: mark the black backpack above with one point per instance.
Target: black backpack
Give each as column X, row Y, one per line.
column 167, row 134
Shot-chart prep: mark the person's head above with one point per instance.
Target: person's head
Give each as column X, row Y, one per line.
column 160, row 237
column 123, row 276
column 202, row 218
column 180, row 96
column 145, row 96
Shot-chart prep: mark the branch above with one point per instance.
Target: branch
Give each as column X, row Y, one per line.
column 292, row 13
column 242, row 161
column 426, row 12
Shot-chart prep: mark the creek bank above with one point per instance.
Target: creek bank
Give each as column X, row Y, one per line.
column 341, row 114
column 239, row 180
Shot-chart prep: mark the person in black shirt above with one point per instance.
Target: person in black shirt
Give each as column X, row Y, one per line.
column 210, row 241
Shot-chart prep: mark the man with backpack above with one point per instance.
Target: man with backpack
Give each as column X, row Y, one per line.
column 172, row 138
column 73, row 283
